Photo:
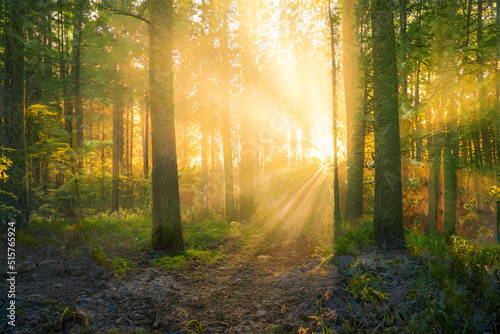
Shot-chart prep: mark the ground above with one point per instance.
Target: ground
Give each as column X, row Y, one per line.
column 271, row 281
column 273, row 278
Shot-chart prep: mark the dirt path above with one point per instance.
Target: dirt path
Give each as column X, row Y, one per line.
column 270, row 281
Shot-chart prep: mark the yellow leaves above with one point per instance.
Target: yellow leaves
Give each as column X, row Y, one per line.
column 494, row 192
column 39, row 111
column 5, row 163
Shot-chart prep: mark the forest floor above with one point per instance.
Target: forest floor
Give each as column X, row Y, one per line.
column 273, row 278
column 269, row 280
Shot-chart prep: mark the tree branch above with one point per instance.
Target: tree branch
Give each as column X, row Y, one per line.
column 121, row 12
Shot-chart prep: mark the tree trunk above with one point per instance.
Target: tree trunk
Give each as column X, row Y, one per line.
column 418, row 144
column 79, row 7
column 448, row 112
column 354, row 113
column 337, row 217
column 204, row 170
column 167, row 228
column 433, row 185
column 117, row 143
column 145, row 140
column 227, row 146
column 486, row 142
column 498, row 118
column 14, row 110
column 388, row 212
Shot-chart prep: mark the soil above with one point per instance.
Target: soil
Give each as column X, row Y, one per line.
column 273, row 279
column 268, row 283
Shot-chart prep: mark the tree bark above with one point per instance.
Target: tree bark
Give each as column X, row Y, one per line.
column 145, row 140
column 498, row 116
column 388, row 215
column 14, row 110
column 226, row 132
column 354, row 112
column 79, row 8
column 117, row 143
column 167, row 228
column 337, row 217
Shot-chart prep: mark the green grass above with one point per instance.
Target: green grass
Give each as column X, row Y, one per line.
column 353, row 240
column 181, row 262
column 118, row 240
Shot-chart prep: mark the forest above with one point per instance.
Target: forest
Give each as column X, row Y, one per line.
column 250, row 166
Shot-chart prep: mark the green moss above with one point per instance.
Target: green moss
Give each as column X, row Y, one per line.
column 181, row 262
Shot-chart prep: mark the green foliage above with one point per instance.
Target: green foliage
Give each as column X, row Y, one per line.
column 363, row 287
column 454, row 290
column 5, row 164
column 424, row 244
column 194, row 326
column 207, row 234
column 121, row 267
column 354, row 239
column 204, row 258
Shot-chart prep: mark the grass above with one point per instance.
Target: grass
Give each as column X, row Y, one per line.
column 354, row 240
column 119, row 240
column 187, row 258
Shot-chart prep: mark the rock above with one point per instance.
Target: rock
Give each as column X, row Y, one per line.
column 343, row 261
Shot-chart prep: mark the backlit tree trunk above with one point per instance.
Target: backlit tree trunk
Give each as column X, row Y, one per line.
column 167, row 228
column 226, row 126
column 388, row 215
column 337, row 217
column 354, row 112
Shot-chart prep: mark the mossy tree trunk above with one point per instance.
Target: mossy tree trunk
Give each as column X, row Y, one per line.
column 498, row 118
column 354, row 112
column 448, row 113
column 388, row 212
column 13, row 113
column 117, row 142
column 167, row 228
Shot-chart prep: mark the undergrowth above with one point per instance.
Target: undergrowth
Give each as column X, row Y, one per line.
column 436, row 287
column 119, row 240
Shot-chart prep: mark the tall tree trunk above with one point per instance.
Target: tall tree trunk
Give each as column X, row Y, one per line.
column 145, row 140
column 14, row 105
column 450, row 181
column 337, row 217
column 403, row 51
column 117, row 143
column 79, row 8
column 487, row 145
column 227, row 146
column 354, row 112
column 498, row 117
column 204, row 170
column 63, row 74
column 167, row 228
column 130, row 177
column 418, row 127
column 388, row 212
column 433, row 185
column 448, row 112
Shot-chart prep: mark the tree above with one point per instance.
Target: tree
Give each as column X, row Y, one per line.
column 498, row 116
column 388, row 215
column 117, row 141
column 15, row 192
column 226, row 123
column 448, row 112
column 79, row 7
column 167, row 228
column 354, row 112
column 337, row 217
